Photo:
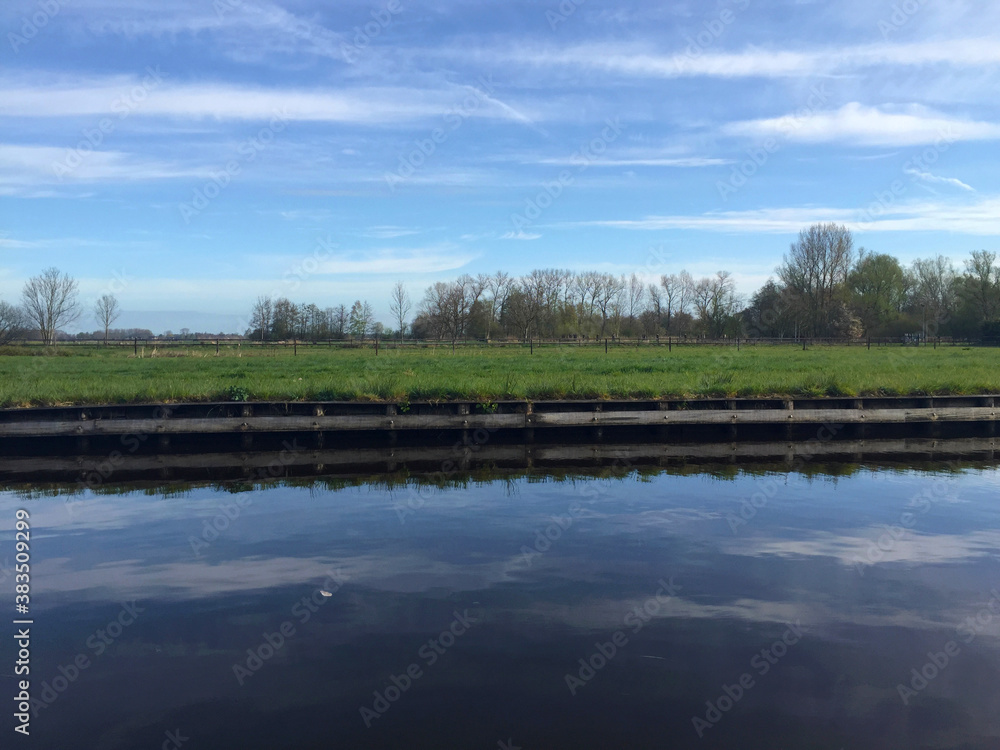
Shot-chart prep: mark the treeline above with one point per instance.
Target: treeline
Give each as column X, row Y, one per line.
column 112, row 334
column 824, row 287
column 280, row 319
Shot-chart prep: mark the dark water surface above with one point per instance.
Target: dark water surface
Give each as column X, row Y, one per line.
column 748, row 611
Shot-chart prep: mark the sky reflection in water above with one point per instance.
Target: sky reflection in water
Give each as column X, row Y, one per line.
column 861, row 576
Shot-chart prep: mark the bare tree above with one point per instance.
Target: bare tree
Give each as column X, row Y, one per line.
column 498, row 286
column 815, row 270
column 934, row 282
column 106, row 311
column 716, row 302
column 607, row 296
column 399, row 306
column 338, row 323
column 50, row 302
column 635, row 295
column 12, row 323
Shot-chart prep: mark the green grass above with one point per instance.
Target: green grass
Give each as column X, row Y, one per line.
column 97, row 376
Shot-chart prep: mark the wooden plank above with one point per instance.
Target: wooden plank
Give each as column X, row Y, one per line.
column 237, row 425
column 373, row 422
column 752, row 416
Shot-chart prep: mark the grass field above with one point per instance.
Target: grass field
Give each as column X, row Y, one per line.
column 97, row 376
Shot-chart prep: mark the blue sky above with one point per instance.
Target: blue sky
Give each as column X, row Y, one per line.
column 188, row 156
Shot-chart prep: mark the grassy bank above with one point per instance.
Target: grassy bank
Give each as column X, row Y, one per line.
column 115, row 376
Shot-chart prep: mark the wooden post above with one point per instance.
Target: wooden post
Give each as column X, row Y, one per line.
column 216, row 346
column 869, row 343
column 670, row 344
column 803, row 344
column 135, row 347
column 605, row 346
column 376, row 346
column 531, row 346
column 295, row 347
column 737, row 343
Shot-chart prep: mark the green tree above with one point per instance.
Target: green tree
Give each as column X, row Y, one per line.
column 878, row 288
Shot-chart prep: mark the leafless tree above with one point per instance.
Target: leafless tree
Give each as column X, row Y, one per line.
column 635, row 296
column 716, row 303
column 678, row 290
column 12, row 323
column 934, row 281
column 816, row 269
column 106, row 311
column 498, row 286
column 585, row 287
column 338, row 323
column 399, row 306
column 447, row 306
column 607, row 297
column 50, row 302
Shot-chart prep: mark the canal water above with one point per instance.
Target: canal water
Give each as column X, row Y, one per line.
column 847, row 608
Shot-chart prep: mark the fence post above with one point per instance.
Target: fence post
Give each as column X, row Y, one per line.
column 376, row 346
column 869, row 343
column 531, row 345
column 216, row 346
column 295, row 347
column 670, row 344
column 135, row 347
column 605, row 346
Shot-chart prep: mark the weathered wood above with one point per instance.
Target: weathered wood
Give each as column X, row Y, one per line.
column 591, row 417
column 263, row 424
column 773, row 416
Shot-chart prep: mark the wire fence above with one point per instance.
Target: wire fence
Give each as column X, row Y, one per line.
column 668, row 343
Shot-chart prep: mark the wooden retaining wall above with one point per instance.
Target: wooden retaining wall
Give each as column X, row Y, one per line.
column 352, row 417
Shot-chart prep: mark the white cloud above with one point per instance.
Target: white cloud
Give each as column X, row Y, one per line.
column 96, row 97
column 930, row 177
column 756, row 62
column 683, row 162
column 979, row 218
column 520, row 235
column 24, row 166
column 869, row 126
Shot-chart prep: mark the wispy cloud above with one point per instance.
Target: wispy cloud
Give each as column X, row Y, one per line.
column 930, row 177
column 520, row 235
column 870, row 126
column 680, row 162
column 273, row 28
column 230, row 101
column 753, row 62
column 979, row 218
column 22, row 167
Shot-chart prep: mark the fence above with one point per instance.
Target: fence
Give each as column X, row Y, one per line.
column 140, row 347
